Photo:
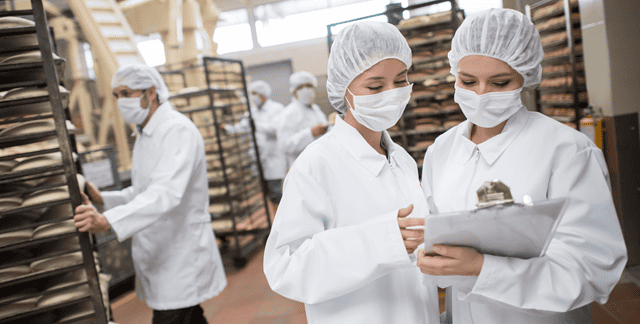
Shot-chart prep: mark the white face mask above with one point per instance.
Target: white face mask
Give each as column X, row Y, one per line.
column 132, row 111
column 380, row 111
column 255, row 100
column 306, row 95
column 490, row 109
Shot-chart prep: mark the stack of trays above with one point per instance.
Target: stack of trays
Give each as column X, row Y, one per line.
column 431, row 110
column 42, row 269
column 561, row 94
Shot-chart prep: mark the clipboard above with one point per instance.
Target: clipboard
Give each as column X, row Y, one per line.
column 512, row 230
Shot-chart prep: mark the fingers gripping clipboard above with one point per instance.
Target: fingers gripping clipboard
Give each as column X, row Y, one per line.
column 514, row 230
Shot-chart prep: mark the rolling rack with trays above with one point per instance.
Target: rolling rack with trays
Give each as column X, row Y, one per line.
column 562, row 94
column 240, row 213
column 47, row 270
column 431, row 110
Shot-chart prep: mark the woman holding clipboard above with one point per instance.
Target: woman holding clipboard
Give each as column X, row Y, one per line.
column 494, row 56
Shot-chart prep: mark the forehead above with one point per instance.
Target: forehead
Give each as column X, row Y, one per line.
column 479, row 65
column 307, row 85
column 122, row 88
column 387, row 68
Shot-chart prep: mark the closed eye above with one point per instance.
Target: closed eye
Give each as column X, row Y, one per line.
column 502, row 84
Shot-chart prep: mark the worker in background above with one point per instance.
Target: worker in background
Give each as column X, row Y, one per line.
column 165, row 210
column 266, row 115
column 302, row 121
column 342, row 241
column 494, row 55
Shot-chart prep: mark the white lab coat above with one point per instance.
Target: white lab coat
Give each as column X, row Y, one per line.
column 335, row 244
column 266, row 119
column 536, row 156
column 165, row 211
column 294, row 131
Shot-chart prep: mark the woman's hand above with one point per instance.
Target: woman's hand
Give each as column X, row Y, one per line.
column 411, row 237
column 451, row 260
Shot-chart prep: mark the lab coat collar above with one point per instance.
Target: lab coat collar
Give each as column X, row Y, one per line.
column 359, row 149
column 157, row 118
column 491, row 149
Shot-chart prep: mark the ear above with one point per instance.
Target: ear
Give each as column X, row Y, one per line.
column 152, row 95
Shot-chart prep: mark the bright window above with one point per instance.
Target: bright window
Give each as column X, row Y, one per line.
column 152, row 51
column 298, row 20
column 291, row 21
column 473, row 6
column 469, row 6
column 233, row 32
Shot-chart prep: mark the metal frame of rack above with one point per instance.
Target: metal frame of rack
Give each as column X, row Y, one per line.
column 571, row 27
column 438, row 91
column 231, row 164
column 26, row 251
column 115, row 257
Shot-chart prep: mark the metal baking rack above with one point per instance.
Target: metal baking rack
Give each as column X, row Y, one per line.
column 238, row 203
column 562, row 94
column 431, row 110
column 19, row 249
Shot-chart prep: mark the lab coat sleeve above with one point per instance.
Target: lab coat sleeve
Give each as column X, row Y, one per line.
column 117, row 198
column 305, row 262
column 268, row 126
column 169, row 181
column 427, row 184
column 241, row 127
column 427, row 181
column 292, row 140
column 585, row 258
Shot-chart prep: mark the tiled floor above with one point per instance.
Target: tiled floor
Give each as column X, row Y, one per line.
column 247, row 299
column 623, row 306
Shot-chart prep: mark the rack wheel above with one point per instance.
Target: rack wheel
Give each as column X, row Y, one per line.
column 239, row 262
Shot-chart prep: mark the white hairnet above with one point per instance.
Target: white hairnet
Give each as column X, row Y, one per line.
column 503, row 34
column 140, row 77
column 260, row 87
column 358, row 47
column 299, row 78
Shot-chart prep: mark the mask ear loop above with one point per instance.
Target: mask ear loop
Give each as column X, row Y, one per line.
column 347, row 101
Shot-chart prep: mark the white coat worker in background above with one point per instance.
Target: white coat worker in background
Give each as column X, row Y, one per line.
column 494, row 54
column 302, row 121
column 266, row 116
column 340, row 241
column 165, row 210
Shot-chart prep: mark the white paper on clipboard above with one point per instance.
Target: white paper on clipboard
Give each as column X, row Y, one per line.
column 513, row 230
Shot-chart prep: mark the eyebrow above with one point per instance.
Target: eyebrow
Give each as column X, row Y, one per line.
column 491, row 77
column 381, row 78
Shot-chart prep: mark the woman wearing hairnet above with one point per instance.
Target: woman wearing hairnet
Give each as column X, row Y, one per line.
column 340, row 241
column 494, row 55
